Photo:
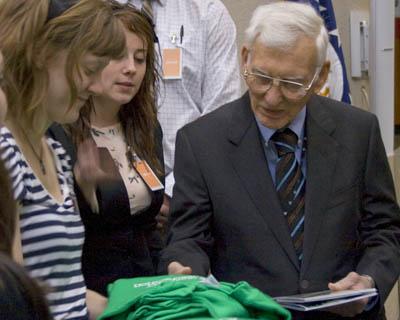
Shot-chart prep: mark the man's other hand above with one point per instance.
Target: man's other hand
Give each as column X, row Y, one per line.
column 176, row 268
column 353, row 281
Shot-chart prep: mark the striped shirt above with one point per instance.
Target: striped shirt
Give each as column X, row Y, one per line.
column 51, row 232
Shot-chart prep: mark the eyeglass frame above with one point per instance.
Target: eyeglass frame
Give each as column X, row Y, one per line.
column 277, row 81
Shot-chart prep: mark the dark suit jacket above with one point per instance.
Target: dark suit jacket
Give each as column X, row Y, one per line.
column 117, row 244
column 226, row 215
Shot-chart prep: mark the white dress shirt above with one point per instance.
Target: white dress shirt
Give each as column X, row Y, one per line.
column 210, row 74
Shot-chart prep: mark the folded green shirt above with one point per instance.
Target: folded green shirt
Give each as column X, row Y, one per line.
column 188, row 297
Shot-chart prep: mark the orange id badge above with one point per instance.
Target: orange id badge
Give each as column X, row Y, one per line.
column 148, row 175
column 172, row 63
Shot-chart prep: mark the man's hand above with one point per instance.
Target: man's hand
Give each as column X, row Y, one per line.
column 352, row 281
column 176, row 268
column 162, row 217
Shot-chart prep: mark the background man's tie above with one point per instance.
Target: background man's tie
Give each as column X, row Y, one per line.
column 290, row 185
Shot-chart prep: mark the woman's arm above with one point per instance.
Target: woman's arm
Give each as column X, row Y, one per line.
column 17, row 245
column 96, row 304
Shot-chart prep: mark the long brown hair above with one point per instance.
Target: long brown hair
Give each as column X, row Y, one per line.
column 139, row 116
column 28, row 39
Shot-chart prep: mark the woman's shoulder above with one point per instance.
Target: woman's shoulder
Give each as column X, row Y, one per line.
column 6, row 137
column 14, row 162
column 10, row 152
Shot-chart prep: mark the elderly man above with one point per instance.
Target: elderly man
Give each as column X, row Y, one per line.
column 287, row 190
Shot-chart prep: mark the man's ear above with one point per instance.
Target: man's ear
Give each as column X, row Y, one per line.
column 244, row 57
column 323, row 76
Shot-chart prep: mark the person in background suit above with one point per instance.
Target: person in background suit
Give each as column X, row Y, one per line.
column 115, row 132
column 285, row 189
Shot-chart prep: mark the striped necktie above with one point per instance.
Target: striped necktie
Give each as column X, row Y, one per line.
column 290, row 185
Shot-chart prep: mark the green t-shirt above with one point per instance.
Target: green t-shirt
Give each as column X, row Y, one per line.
column 188, row 297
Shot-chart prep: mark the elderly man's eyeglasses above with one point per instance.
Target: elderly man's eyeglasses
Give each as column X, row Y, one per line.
column 261, row 83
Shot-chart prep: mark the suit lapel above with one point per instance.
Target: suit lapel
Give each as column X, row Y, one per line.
column 321, row 162
column 248, row 159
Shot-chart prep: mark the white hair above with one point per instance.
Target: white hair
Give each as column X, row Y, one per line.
column 281, row 24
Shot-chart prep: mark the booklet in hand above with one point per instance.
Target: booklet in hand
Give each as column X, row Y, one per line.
column 323, row 299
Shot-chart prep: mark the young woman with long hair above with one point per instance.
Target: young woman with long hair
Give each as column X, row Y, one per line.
column 53, row 52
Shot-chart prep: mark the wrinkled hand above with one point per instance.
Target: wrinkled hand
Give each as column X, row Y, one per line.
column 352, row 281
column 88, row 173
column 177, row 268
column 163, row 215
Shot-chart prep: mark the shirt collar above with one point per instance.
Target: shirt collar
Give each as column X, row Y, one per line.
column 297, row 126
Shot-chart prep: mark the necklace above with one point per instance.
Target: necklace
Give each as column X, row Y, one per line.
column 38, row 156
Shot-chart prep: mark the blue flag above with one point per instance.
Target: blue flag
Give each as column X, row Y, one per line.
column 337, row 85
